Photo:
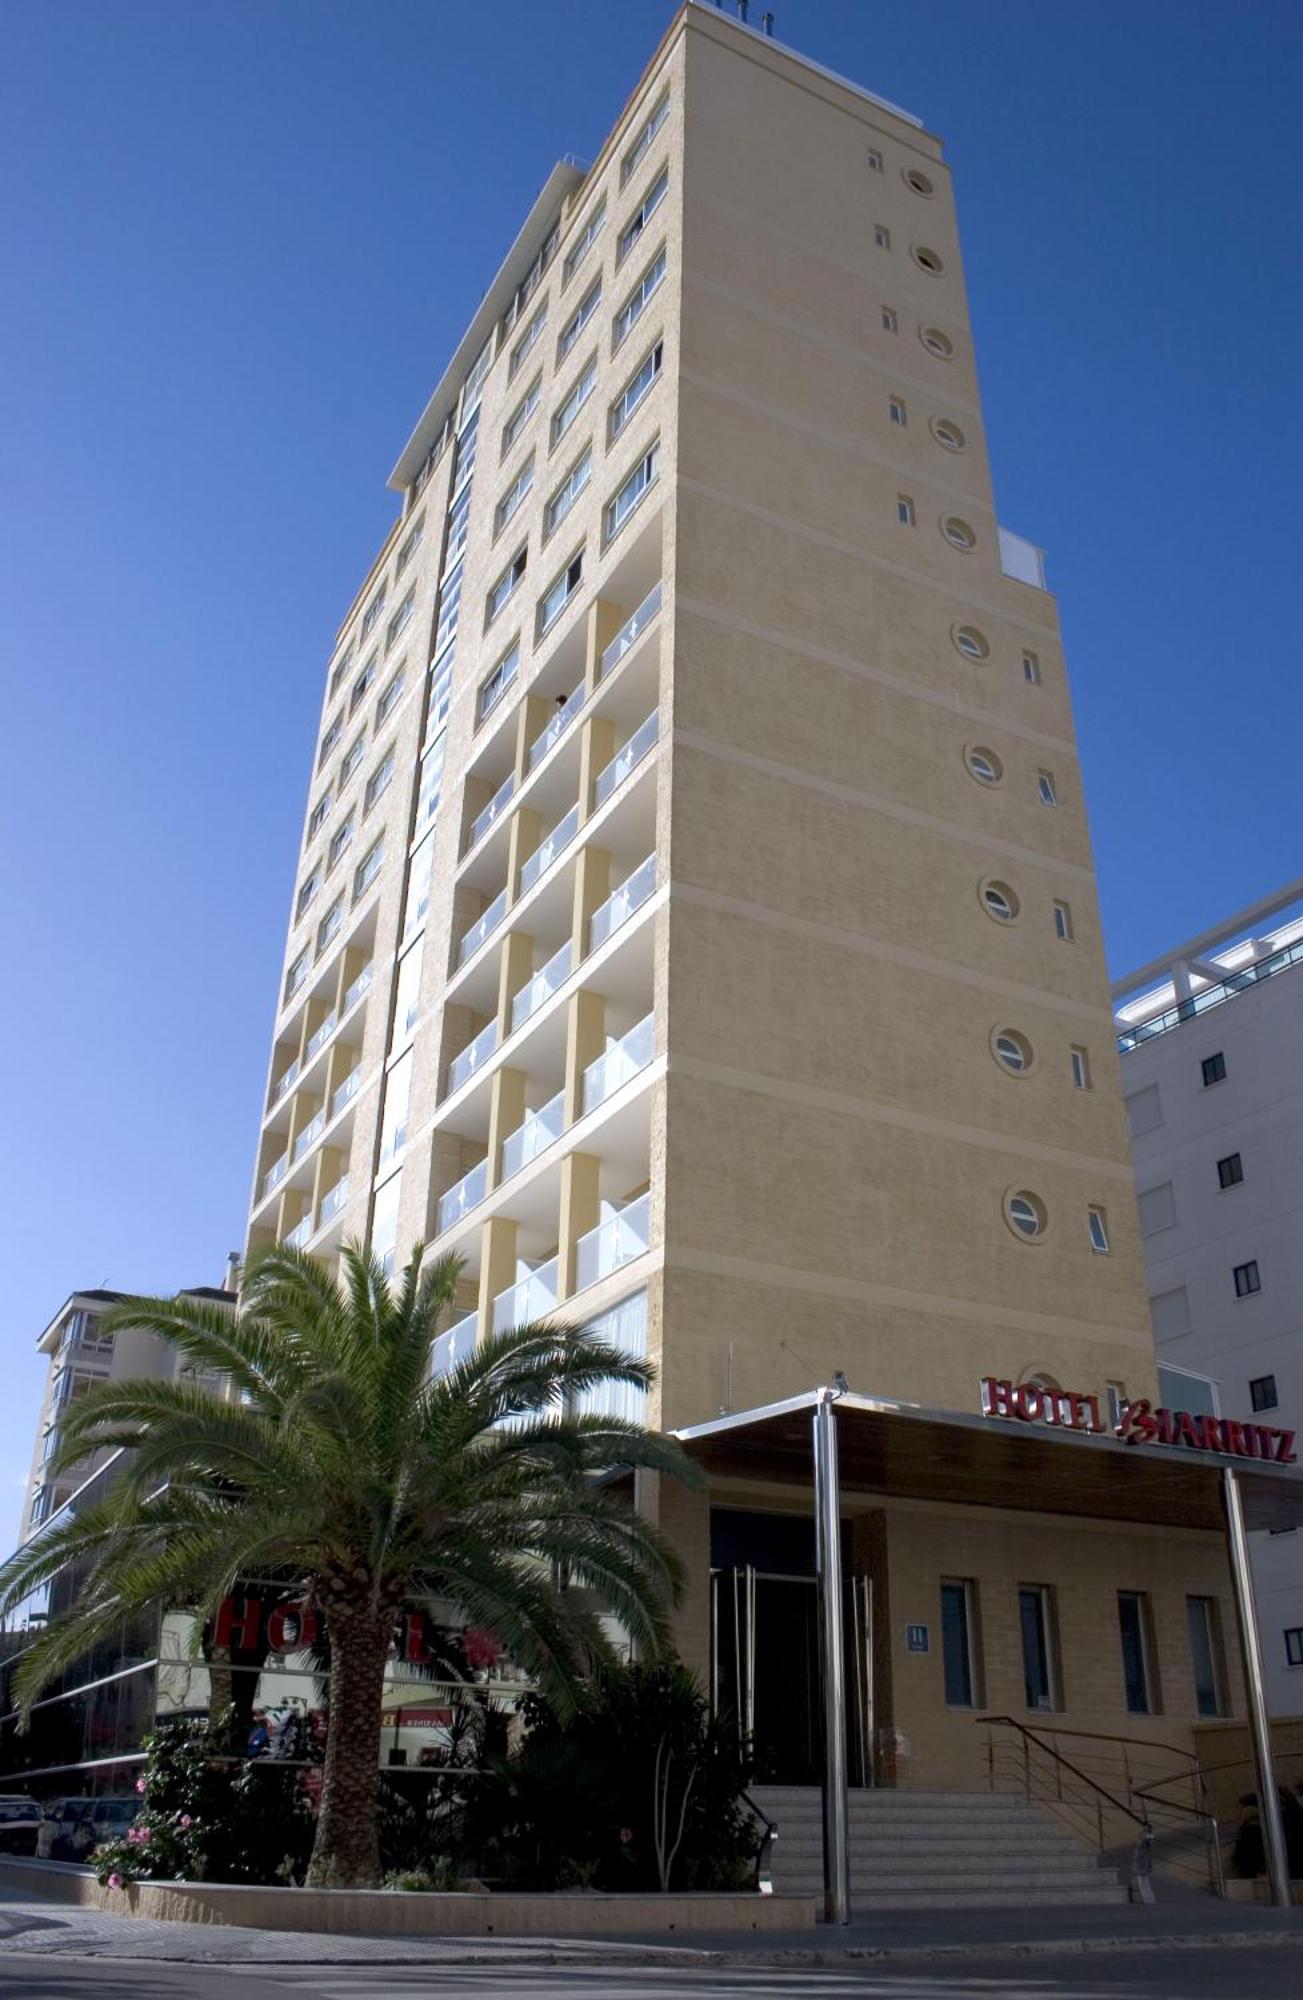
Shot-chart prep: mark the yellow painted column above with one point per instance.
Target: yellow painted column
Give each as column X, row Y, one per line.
column 580, row 1212
column 497, row 1269
column 532, row 718
column 585, row 1042
column 596, row 749
column 506, row 1112
column 592, row 887
column 603, row 622
column 523, row 836
column 515, row 970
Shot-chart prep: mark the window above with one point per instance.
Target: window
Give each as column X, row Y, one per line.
column 629, row 398
column 1214, row 1069
column 459, row 519
column 1063, row 922
column 1230, row 1171
column 352, row 759
column 575, row 401
column 958, row 1621
column 882, row 236
column 319, row 814
column 948, row 434
column 1144, row 1110
column 1080, row 1060
column 342, row 836
column 984, row 765
column 937, row 343
column 307, row 890
column 514, row 495
column 1248, row 1279
column 958, row 533
column 373, row 610
column 1013, row 1050
column 362, row 685
column 296, row 975
column 398, row 1092
column 493, row 689
column 1206, row 1654
column 340, row 669
column 467, row 445
column 328, row 928
column 559, row 593
column 904, row 510
column 1026, row 1214
column 407, row 994
column 974, row 645
column 1116, row 1396
column 1137, row 1674
column 440, row 697
column 640, row 480
column 567, row 492
column 918, row 181
column 391, row 697
column 1170, row 1313
column 506, row 586
column 578, row 320
column 1000, row 902
column 411, row 545
column 1045, row 788
column 926, row 259
column 890, row 324
column 643, row 144
column 1035, row 1623
column 445, row 629
column 330, row 740
column 896, row 411
column 417, row 899
column 636, row 304
column 584, row 242
column 380, row 780
column 400, row 618
column 875, row 161
column 528, row 341
column 431, row 785
column 522, row 413
column 1294, row 1645
column 1097, row 1222
column 368, row 867
column 642, row 215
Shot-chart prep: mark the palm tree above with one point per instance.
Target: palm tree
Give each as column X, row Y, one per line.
column 340, row 1461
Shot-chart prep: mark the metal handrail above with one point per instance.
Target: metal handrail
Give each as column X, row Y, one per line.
column 1141, row 1873
column 764, row 1852
column 1213, row 1831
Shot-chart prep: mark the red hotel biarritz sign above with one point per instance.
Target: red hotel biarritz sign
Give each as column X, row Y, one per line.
column 1139, row 1422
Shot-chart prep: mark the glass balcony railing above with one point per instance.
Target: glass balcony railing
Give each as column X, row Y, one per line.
column 557, row 727
column 492, row 811
column 613, row 1243
column 275, row 1173
column 318, row 1039
column 311, row 1132
column 468, row 1193
column 1131, row 1034
column 333, row 1201
column 482, row 928
column 286, row 1080
column 534, row 1136
column 622, row 902
column 346, row 1091
column 541, row 987
column 632, row 629
column 298, row 1236
column 453, row 1347
column 530, row 1298
column 463, row 1066
column 547, row 850
column 358, row 988
column 622, row 1060
column 624, row 760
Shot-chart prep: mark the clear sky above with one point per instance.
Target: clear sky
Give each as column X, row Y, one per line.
column 238, row 243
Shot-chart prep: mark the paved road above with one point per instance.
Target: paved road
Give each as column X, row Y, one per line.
column 1246, row 1972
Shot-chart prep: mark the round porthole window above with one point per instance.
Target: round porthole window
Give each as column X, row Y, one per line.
column 948, row 433
column 974, row 645
column 1025, row 1214
column 984, row 765
column 1000, row 902
column 918, row 181
column 1012, row 1051
column 937, row 343
column 958, row 533
column 927, row 260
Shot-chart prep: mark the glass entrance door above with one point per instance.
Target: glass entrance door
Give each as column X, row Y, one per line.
column 765, row 1672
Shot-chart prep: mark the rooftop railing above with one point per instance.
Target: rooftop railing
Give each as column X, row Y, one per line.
column 1211, row 996
column 632, row 629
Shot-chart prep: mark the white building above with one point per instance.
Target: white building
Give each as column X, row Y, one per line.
column 1211, row 1037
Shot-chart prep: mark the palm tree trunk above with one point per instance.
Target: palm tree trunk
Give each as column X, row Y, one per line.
column 345, row 1853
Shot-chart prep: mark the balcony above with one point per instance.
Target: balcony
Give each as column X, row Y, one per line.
column 1021, row 559
column 620, row 905
column 311, row 1132
column 453, row 1347
column 613, row 1243
column 333, row 1201
column 548, row 849
column 468, row 1193
column 286, row 1080
column 300, row 1234
column 357, row 989
column 622, row 1060
column 541, row 987
column 274, row 1175
column 482, row 928
column 463, row 1066
column 534, row 1136
column 615, row 773
column 530, row 1298
column 492, row 811
column 632, row 630
column 557, row 727
column 346, row 1091
column 317, row 1041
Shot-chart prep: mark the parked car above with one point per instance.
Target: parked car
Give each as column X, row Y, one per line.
column 77, row 1826
column 20, row 1819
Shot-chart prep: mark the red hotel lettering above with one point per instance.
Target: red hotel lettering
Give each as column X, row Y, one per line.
column 237, row 1628
column 291, row 1627
column 1285, row 1453
column 1139, row 1422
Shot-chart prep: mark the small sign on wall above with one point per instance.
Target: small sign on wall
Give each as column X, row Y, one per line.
column 916, row 1639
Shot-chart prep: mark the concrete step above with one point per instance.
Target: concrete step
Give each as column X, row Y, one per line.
column 1023, row 1899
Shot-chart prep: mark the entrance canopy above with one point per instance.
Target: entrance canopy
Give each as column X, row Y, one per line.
column 920, row 1454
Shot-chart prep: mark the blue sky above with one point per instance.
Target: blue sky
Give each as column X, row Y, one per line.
column 240, row 240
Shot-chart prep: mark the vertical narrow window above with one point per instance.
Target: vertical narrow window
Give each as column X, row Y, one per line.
column 1097, row 1222
column 1046, row 788
column 1063, row 922
column 882, row 236
column 1080, row 1068
column 1262, row 1392
column 1205, row 1653
column 896, row 410
column 1248, row 1279
column 904, row 510
column 1137, row 1660
column 875, row 160
column 1035, row 1623
column 1213, row 1069
column 957, row 1630
column 890, row 323
column 1031, row 669
column 1294, row 1645
column 1230, row 1171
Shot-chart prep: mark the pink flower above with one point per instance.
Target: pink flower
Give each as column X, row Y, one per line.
column 140, row 1784
column 115, row 1880
column 185, row 1820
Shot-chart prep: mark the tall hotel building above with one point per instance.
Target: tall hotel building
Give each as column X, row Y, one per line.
column 695, row 928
